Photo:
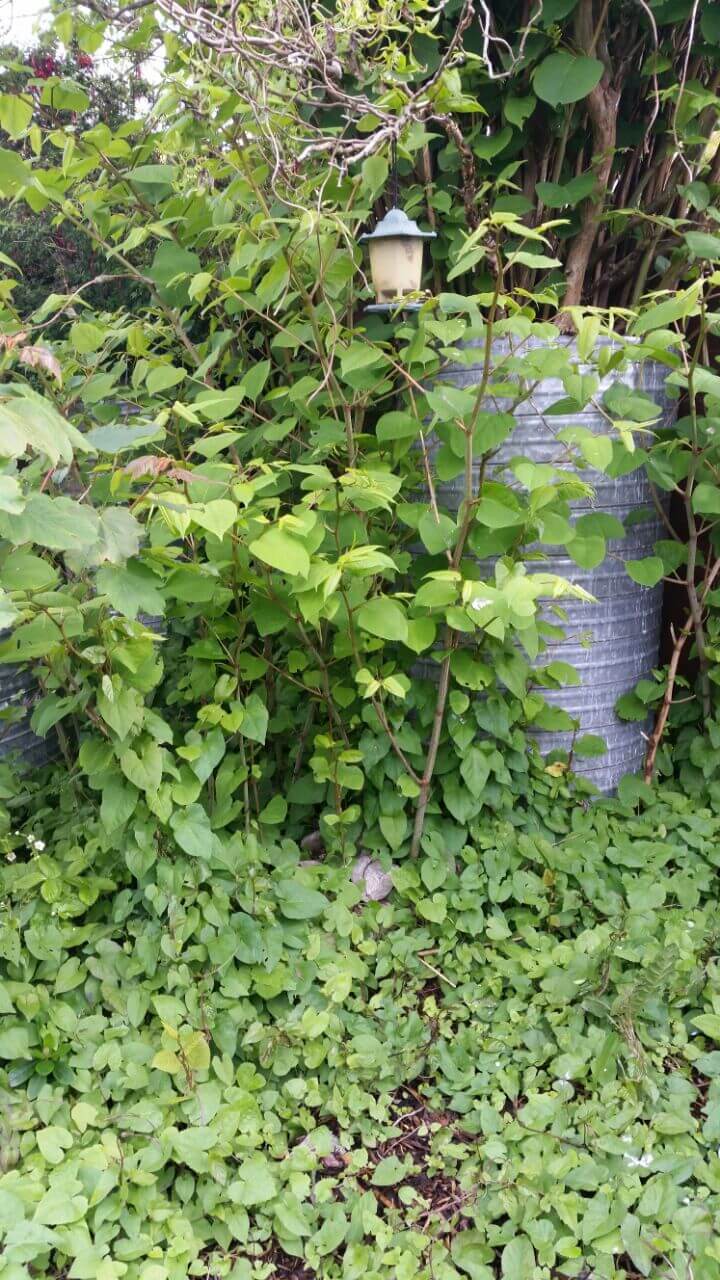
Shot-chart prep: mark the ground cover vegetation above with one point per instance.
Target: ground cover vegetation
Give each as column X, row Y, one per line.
column 262, row 647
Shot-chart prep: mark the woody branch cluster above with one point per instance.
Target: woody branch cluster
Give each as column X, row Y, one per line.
column 297, row 51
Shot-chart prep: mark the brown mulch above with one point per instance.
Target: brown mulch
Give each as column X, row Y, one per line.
column 444, row 1199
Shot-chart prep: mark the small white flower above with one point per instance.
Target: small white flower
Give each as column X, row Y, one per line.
column 480, row 602
column 40, row 844
column 10, row 856
column 638, row 1161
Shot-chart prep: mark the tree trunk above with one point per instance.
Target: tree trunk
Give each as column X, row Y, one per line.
column 602, row 104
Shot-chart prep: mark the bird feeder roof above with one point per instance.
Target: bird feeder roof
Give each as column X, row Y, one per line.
column 396, row 224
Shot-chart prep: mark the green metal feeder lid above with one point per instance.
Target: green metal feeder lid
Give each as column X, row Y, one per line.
column 396, row 224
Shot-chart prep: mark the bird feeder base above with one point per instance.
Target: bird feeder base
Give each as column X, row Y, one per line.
column 380, row 308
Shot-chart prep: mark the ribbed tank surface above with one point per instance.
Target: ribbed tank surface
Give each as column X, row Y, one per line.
column 612, row 643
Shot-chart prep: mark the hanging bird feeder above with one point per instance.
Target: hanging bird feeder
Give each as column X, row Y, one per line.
column 396, row 260
column 396, row 254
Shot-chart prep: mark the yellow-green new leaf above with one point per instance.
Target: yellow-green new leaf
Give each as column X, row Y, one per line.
column 282, row 551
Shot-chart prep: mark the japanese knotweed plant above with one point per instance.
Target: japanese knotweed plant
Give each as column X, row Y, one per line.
column 285, row 535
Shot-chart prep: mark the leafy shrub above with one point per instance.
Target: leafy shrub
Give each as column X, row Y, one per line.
column 220, row 1058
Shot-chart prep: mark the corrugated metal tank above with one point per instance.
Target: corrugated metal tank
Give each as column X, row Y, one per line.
column 19, row 690
column 622, row 629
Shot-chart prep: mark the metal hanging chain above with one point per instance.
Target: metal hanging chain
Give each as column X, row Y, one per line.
column 394, row 188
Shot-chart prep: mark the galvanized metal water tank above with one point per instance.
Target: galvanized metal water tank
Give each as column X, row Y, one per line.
column 613, row 643
column 18, row 693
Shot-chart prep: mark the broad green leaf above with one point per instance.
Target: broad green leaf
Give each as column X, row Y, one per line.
column 475, row 770
column 275, row 811
column 14, row 173
column 709, row 1024
column 56, row 1208
column 290, row 1216
column 710, row 23
column 449, row 402
column 117, row 439
column 703, row 245
column 171, row 268
column 595, row 449
column 706, row 499
column 394, row 827
column 640, row 1250
column 587, row 551
column 518, row 1259
column 255, row 719
column 472, row 1254
column 200, row 284
column 190, row 1147
column 86, row 337
column 15, row 114
column 254, row 380
column 166, row 1060
column 500, row 511
column 131, row 589
column 332, row 1232
column 536, row 261
column 162, row 377
column 590, row 745
column 217, row 406
column 433, row 909
column 192, row 831
column 397, row 426
column 58, row 523
column 421, row 633
column 119, row 802
column 123, row 711
column 255, row 1183
column 53, row 1142
column 663, row 314
column 438, row 534
column 557, row 195
column 491, row 430
column 488, row 145
column 28, row 421
column 273, row 283
column 216, row 516
column 566, row 77
column 143, row 768
column 23, row 571
column 518, row 110
column 12, row 499
column 388, row 1172
column 15, row 1042
column 297, row 902
column 283, row 551
column 119, row 535
column 360, row 355
column 152, row 173
column 647, row 572
column 381, row 616
column 63, row 94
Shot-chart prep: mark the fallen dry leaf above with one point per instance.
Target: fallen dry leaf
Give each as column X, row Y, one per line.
column 41, row 358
